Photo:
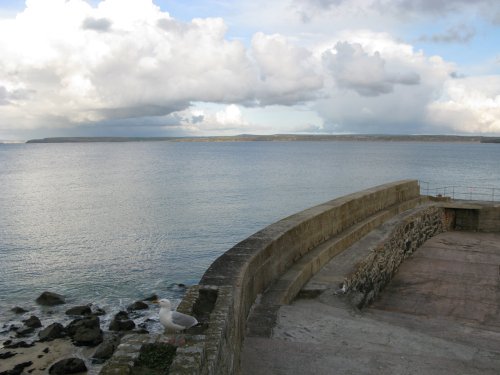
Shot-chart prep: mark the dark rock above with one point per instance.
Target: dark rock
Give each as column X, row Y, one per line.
column 151, row 298
column 85, row 331
column 68, row 366
column 46, row 350
column 122, row 315
column 20, row 344
column 138, row 305
column 18, row 369
column 99, row 312
column 18, row 310
column 52, row 332
column 181, row 285
column 7, row 355
column 79, row 310
column 7, row 342
column 25, row 331
column 106, row 349
column 50, row 299
column 32, row 322
column 121, row 322
column 14, row 328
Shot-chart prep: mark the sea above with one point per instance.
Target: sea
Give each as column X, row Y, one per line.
column 111, row 223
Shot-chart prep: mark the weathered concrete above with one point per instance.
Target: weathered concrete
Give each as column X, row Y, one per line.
column 439, row 315
column 386, row 224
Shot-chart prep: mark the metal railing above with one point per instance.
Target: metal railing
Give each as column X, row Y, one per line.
column 473, row 193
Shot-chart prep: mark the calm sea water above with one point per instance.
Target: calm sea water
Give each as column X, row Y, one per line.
column 114, row 222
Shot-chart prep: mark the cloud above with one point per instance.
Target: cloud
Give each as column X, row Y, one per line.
column 353, row 68
column 96, row 24
column 380, row 85
column 139, row 62
column 203, row 121
column 471, row 104
column 287, row 73
column 394, row 10
column 456, row 34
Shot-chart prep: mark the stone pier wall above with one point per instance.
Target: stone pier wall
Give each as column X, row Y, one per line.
column 371, row 274
column 255, row 263
column 234, row 281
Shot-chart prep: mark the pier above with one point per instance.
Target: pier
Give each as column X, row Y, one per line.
column 385, row 280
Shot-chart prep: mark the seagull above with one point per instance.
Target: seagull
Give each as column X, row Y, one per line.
column 174, row 320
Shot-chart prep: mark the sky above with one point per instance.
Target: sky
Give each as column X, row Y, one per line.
column 206, row 68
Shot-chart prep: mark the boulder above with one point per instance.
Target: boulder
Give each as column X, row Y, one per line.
column 137, row 305
column 23, row 332
column 68, row 366
column 121, row 322
column 79, row 310
column 7, row 355
column 52, row 332
column 18, row 310
column 18, row 369
column 32, row 322
column 98, row 312
column 151, row 298
column 50, row 299
column 16, row 345
column 85, row 331
column 106, row 349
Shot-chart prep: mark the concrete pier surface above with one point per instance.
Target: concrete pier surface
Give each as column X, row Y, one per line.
column 438, row 315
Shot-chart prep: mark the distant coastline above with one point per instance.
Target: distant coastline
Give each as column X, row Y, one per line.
column 279, row 138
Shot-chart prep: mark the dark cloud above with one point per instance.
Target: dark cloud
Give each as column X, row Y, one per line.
column 433, row 7
column 456, row 75
column 456, row 34
column 354, row 69
column 197, row 119
column 96, row 24
column 3, row 96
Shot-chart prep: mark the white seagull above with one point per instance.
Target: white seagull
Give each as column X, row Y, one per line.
column 174, row 320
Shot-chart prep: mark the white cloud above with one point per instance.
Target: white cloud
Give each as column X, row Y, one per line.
column 128, row 63
column 353, row 68
column 380, row 85
column 469, row 104
column 287, row 72
column 204, row 121
column 127, row 58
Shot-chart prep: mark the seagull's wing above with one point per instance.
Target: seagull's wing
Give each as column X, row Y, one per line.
column 183, row 319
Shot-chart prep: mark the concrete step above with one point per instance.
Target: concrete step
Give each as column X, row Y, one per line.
column 262, row 317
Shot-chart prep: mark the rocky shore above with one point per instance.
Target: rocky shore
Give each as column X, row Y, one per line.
column 37, row 345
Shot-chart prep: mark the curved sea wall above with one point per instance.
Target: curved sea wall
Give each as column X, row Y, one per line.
column 238, row 276
column 385, row 223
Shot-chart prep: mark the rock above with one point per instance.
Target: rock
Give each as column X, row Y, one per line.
column 18, row 369
column 50, row 299
column 18, row 310
column 7, row 355
column 16, row 345
column 79, row 310
column 68, row 366
column 52, row 332
column 138, row 305
column 99, row 312
column 32, row 322
column 25, row 331
column 121, row 322
column 106, row 349
column 151, row 298
column 85, row 331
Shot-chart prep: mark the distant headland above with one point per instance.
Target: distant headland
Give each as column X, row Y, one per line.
column 279, row 138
